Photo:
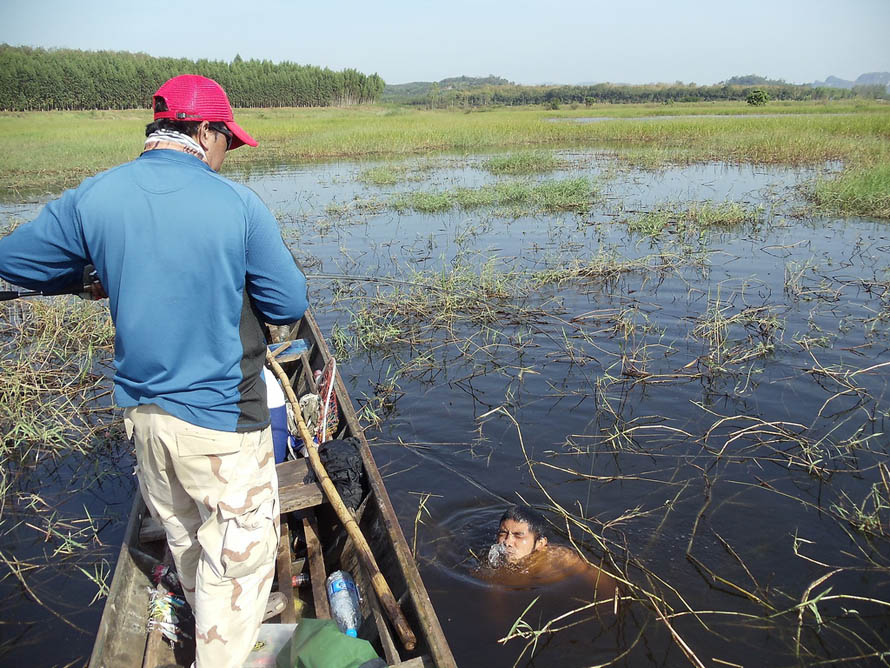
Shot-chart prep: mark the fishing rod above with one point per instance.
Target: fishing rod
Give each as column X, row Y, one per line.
column 369, row 279
column 86, row 291
column 81, row 290
column 88, row 287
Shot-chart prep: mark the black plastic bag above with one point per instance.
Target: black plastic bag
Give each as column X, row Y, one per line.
column 343, row 462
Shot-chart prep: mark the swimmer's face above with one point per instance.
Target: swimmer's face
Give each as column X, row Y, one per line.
column 519, row 541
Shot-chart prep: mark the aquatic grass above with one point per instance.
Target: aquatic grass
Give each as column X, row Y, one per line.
column 525, row 162
column 51, row 352
column 357, row 206
column 423, row 201
column 576, row 194
column 652, row 223
column 693, row 217
column 606, row 267
column 724, row 214
column 372, row 331
column 860, row 191
column 385, row 175
column 870, row 517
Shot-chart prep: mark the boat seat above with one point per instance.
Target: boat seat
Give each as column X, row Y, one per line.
column 297, row 489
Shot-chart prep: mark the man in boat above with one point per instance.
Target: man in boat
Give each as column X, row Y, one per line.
column 192, row 264
column 522, row 556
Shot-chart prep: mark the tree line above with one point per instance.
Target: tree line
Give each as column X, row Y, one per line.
column 36, row 79
column 511, row 95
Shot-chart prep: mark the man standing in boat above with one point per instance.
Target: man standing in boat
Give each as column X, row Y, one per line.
column 192, row 264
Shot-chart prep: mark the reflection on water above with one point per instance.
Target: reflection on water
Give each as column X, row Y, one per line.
column 703, row 409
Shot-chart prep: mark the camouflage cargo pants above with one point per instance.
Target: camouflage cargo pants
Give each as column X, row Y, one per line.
column 216, row 494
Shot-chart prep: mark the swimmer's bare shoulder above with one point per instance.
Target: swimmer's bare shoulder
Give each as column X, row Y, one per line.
column 547, row 566
column 564, row 560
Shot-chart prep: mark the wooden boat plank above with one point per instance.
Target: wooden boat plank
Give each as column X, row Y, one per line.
column 297, row 488
column 120, row 640
column 425, row 661
column 317, row 574
column 283, row 567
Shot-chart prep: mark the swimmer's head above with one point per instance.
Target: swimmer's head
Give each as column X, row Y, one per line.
column 521, row 533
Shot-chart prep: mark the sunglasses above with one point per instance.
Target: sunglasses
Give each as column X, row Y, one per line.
column 224, row 131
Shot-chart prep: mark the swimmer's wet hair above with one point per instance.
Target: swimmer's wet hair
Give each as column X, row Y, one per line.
column 534, row 519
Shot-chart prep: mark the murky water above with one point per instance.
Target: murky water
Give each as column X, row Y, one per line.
column 706, row 411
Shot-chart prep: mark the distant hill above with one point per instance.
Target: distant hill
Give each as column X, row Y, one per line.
column 753, row 80
column 421, row 89
column 867, row 79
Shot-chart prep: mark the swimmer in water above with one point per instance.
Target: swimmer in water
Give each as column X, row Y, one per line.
column 522, row 556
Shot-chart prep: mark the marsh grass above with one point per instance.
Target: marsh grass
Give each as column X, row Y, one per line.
column 390, row 174
column 694, row 217
column 50, row 150
column 514, row 197
column 52, row 352
column 860, row 191
column 525, row 162
column 358, row 206
column 605, row 267
column 383, row 175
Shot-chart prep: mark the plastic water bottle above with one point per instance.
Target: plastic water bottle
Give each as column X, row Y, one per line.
column 343, row 597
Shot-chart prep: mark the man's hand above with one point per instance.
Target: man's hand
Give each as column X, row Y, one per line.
column 97, row 291
column 92, row 286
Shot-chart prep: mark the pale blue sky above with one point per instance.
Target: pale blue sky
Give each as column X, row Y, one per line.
column 527, row 41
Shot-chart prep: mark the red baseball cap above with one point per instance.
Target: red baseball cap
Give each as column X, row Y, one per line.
column 190, row 97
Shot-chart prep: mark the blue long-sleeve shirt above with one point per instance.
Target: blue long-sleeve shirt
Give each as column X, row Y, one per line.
column 191, row 263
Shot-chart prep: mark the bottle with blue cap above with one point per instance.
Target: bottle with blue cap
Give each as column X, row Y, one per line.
column 343, row 597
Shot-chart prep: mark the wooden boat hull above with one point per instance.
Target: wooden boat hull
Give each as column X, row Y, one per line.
column 122, row 641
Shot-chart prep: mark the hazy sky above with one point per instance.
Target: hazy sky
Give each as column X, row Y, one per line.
column 527, row 41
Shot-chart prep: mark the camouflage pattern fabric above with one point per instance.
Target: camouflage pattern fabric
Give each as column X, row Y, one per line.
column 216, row 494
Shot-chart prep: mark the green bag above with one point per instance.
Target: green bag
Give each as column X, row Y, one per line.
column 318, row 643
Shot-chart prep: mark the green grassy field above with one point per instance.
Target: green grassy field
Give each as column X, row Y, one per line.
column 48, row 151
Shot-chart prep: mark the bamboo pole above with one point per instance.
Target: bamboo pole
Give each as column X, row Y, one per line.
column 384, row 593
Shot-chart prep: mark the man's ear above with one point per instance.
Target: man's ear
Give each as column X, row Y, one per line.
column 541, row 543
column 201, row 135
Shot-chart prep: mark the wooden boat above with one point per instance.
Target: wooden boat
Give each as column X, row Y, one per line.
column 123, row 640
